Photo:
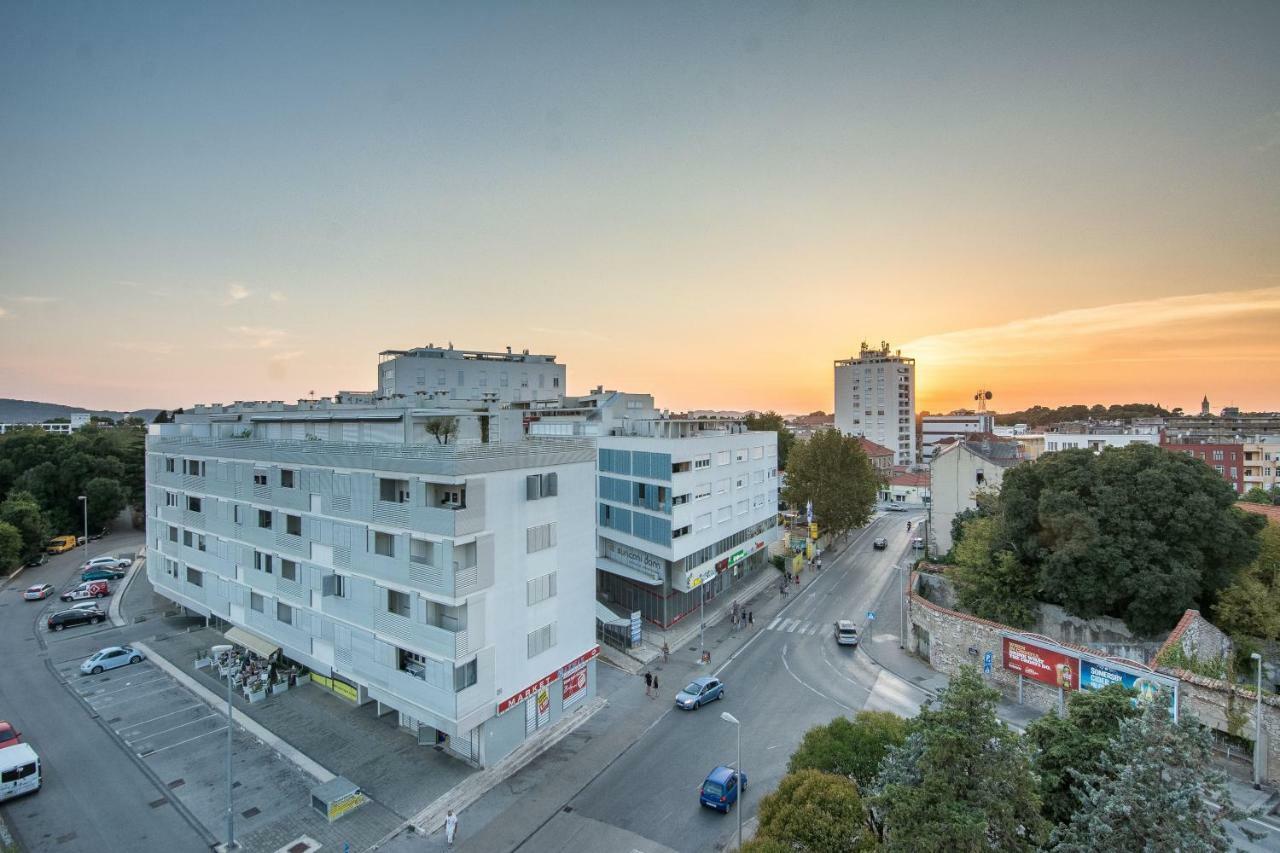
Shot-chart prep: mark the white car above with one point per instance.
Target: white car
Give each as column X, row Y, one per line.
column 38, row 592
column 110, row 658
column 87, row 605
column 107, row 562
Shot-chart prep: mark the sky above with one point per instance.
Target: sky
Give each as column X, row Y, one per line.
column 711, row 202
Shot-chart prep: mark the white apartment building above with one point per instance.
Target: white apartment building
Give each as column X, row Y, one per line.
column 77, row 420
column 1035, row 444
column 934, row 428
column 448, row 373
column 957, row 474
column 453, row 583
column 1262, row 462
column 875, row 397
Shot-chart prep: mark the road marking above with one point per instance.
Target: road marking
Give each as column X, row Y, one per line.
column 792, row 624
column 205, row 717
column 771, row 624
column 109, row 699
column 127, row 686
column 810, row 687
column 197, row 737
column 162, row 716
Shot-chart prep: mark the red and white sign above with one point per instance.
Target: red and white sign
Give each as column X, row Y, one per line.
column 515, row 699
column 573, row 686
column 1040, row 664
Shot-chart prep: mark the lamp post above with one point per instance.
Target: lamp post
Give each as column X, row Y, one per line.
column 902, row 610
column 231, row 820
column 1257, row 726
column 730, row 718
column 84, row 501
column 702, row 619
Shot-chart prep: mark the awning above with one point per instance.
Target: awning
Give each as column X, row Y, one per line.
column 252, row 642
column 608, row 617
column 613, row 567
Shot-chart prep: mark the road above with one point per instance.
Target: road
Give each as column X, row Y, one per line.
column 790, row 676
column 96, row 795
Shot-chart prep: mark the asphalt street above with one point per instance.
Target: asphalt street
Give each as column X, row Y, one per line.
column 96, row 795
column 788, row 677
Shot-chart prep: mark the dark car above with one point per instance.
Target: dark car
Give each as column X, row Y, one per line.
column 720, row 790
column 880, row 544
column 37, row 561
column 61, row 620
column 94, row 537
column 101, row 575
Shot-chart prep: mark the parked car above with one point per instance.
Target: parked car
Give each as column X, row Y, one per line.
column 88, row 589
column 8, row 734
column 880, row 544
column 720, row 790
column 87, row 605
column 94, row 537
column 846, row 633
column 19, row 771
column 37, row 561
column 918, row 543
column 101, row 574
column 67, row 618
column 61, row 544
column 897, row 508
column 110, row 658
column 106, row 561
column 699, row 692
column 38, row 592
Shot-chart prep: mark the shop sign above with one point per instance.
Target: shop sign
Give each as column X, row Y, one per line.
column 1040, row 664
column 646, row 564
column 544, row 705
column 573, row 686
column 532, row 690
column 737, row 557
column 341, row 806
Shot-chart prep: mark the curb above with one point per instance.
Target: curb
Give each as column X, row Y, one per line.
column 253, row 727
column 113, row 612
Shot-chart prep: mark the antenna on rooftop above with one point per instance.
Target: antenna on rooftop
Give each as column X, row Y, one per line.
column 982, row 397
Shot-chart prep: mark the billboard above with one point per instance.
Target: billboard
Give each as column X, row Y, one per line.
column 1040, row 664
column 1095, row 675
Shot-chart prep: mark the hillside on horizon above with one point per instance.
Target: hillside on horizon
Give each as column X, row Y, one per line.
column 34, row 412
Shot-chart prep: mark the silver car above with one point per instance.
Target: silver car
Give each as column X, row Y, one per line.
column 110, row 658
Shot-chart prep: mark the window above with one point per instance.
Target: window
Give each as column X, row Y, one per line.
column 235, row 513
column 455, row 497
column 264, row 519
column 20, row 772
column 757, row 452
column 540, row 537
column 740, row 454
column 702, row 522
column 173, row 533
column 541, row 639
column 503, row 379
column 555, row 382
column 340, row 586
column 540, row 589
column 256, row 602
column 262, row 562
column 540, row 486
column 702, row 491
column 393, row 491
column 681, row 531
column 194, row 504
column 259, row 477
column 722, row 486
column 680, row 500
column 293, row 525
column 464, row 676
column 398, row 603
column 288, row 570
column 723, row 514
column 384, row 544
column 284, row 613
column 187, row 538
column 440, row 378
column 287, row 478
column 194, row 467
column 168, row 464
column 980, row 477
column 723, row 457
column 702, row 462
column 170, row 498
column 195, row 577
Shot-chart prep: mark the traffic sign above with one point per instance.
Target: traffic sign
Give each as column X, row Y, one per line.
column 986, row 664
column 871, row 616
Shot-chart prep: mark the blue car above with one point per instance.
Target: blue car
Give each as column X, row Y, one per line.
column 699, row 692
column 720, row 791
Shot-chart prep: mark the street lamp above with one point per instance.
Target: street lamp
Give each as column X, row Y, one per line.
column 730, row 718
column 84, row 501
column 902, row 610
column 1257, row 726
column 231, row 820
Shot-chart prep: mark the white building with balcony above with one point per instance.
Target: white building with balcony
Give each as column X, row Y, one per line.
column 875, row 396
column 957, row 425
column 453, row 583
column 448, row 373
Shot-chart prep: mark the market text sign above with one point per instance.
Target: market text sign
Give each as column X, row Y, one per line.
column 1041, row 664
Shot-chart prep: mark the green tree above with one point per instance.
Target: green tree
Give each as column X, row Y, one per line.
column 106, row 499
column 773, row 422
column 851, row 748
column 987, row 504
column 10, row 546
column 990, row 581
column 1154, row 784
column 1135, row 532
column 832, row 470
column 1257, row 495
column 816, row 811
column 1077, row 743
column 441, row 428
column 963, row 781
column 23, row 513
column 1251, row 606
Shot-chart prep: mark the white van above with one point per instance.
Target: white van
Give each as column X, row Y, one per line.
column 19, row 771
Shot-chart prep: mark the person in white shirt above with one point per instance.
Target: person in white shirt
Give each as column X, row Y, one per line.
column 450, row 827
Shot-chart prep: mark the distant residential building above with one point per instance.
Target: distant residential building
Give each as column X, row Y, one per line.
column 1035, row 444
column 1226, row 429
column 933, row 428
column 958, row 473
column 448, row 373
column 804, row 426
column 1262, row 463
column 76, row 421
column 881, row 457
column 910, row 488
column 875, row 396
column 1010, row 430
column 1228, row 459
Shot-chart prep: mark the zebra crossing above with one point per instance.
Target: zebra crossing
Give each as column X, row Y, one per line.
column 797, row 626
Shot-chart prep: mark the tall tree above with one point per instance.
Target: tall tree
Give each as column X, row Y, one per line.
column 1251, row 605
column 850, row 748
column 441, row 428
column 22, row 511
column 773, row 422
column 1135, row 532
column 812, row 810
column 1155, row 789
column 10, row 546
column 1077, row 743
column 963, row 781
column 832, row 470
column 106, row 499
column 989, row 579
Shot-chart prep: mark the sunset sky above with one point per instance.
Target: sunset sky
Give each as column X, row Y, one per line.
column 1061, row 203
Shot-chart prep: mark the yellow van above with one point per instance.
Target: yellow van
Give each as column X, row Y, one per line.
column 61, row 544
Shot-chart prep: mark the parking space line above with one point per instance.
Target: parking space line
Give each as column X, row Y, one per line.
column 183, row 725
column 107, row 700
column 171, row 713
column 134, row 684
column 188, row 740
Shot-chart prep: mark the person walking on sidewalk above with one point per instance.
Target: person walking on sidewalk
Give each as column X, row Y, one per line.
column 655, row 687
column 666, row 651
column 751, row 618
column 648, row 684
column 450, row 827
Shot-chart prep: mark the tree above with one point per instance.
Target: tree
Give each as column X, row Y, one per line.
column 10, row 546
column 441, row 428
column 1256, row 495
column 812, row 810
column 106, row 499
column 850, row 748
column 990, row 581
column 987, row 504
column 773, row 422
column 832, row 470
column 23, row 513
column 1154, row 789
column 1076, row 743
column 962, row 781
column 1135, row 532
column 1251, row 606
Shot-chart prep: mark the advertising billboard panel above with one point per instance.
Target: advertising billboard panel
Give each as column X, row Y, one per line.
column 1040, row 664
column 1095, row 675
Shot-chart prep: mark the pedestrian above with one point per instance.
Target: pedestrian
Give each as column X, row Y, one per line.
column 450, row 827
column 655, row 687
column 648, row 683
column 666, row 651
column 751, row 617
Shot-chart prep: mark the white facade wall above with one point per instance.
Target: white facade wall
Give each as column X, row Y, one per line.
column 956, row 476
column 933, row 428
column 1091, row 441
column 472, row 375
column 875, row 396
